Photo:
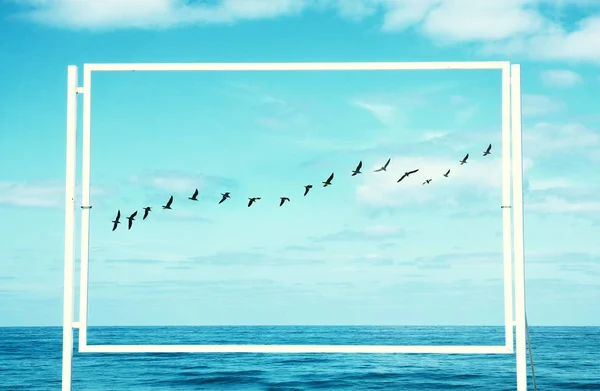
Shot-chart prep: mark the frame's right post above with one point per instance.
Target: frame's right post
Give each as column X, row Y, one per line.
column 518, row 240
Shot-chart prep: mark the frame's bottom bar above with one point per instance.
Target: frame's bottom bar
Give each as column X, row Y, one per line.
column 294, row 349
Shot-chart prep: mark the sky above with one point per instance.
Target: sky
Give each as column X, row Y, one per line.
column 366, row 250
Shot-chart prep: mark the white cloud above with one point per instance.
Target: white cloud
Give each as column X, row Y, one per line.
column 401, row 14
column 45, row 194
column 177, row 181
column 555, row 42
column 37, row 194
column 382, row 230
column 545, row 138
column 186, row 215
column 458, row 99
column 550, row 184
column 272, row 112
column 106, row 14
column 560, row 78
column 474, row 20
column 595, row 156
column 537, row 105
column 428, row 136
column 356, row 9
column 386, row 114
column 466, row 109
column 553, row 204
column 511, row 27
column 478, row 176
column 271, row 123
column 466, row 114
column 394, row 108
column 255, row 95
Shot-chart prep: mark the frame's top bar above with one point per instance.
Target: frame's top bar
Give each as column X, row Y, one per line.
column 301, row 66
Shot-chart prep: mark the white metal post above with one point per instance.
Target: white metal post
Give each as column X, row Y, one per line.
column 71, row 171
column 505, row 210
column 518, row 240
column 85, row 205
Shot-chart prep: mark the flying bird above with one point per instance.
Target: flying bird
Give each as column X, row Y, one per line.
column 427, row 181
column 306, row 189
column 328, row 181
column 487, row 151
column 131, row 218
column 357, row 170
column 252, row 200
column 283, row 199
column 117, row 222
column 464, row 161
column 384, row 167
column 146, row 211
column 225, row 196
column 194, row 196
column 447, row 173
column 406, row 174
column 168, row 206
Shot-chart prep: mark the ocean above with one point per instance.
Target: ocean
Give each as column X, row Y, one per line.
column 565, row 358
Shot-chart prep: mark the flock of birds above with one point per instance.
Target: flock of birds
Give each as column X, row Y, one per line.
column 282, row 200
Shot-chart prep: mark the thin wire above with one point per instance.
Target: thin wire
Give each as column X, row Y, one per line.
column 530, row 355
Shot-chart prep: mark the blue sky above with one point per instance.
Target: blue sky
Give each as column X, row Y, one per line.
column 364, row 251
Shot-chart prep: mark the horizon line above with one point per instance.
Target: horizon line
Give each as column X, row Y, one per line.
column 294, row 325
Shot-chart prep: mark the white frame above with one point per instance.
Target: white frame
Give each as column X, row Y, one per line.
column 511, row 118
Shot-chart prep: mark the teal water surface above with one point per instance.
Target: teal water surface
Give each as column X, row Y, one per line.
column 565, row 358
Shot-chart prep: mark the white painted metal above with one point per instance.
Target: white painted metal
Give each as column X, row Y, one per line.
column 518, row 238
column 506, row 211
column 510, row 110
column 302, row 66
column 85, row 212
column 69, row 272
column 294, row 349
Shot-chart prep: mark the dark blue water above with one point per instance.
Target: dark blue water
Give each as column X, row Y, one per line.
column 565, row 358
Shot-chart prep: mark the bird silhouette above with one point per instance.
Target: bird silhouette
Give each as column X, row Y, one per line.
column 225, row 196
column 116, row 221
column 306, row 189
column 447, row 173
column 283, row 199
column 131, row 218
column 168, row 206
column 328, row 181
column 252, row 200
column 464, row 161
column 406, row 174
column 487, row 151
column 146, row 211
column 194, row 196
column 427, row 181
column 357, row 170
column 384, row 167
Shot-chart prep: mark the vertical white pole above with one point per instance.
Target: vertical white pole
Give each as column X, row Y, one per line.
column 85, row 213
column 506, row 216
column 71, row 172
column 517, row 207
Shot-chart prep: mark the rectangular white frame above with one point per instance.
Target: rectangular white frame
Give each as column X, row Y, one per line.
column 511, row 118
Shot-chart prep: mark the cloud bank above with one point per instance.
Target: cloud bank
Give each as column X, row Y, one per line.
column 512, row 27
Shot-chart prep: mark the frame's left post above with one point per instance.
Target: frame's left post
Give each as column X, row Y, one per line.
column 69, row 282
